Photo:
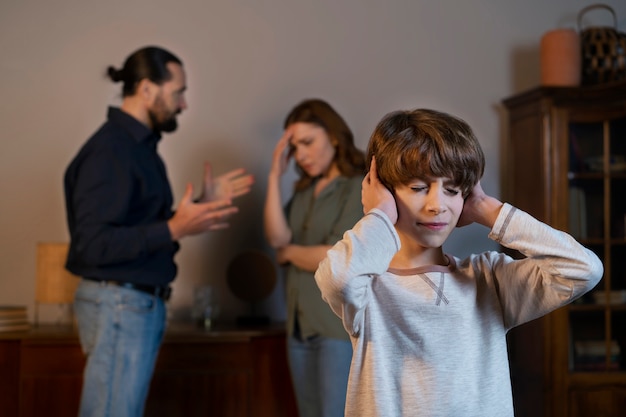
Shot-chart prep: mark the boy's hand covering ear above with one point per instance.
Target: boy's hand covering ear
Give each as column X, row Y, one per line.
column 375, row 195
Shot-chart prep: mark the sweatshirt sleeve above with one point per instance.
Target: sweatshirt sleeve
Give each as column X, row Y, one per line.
column 344, row 276
column 556, row 269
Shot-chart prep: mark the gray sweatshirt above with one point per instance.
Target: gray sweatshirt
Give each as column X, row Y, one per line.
column 431, row 341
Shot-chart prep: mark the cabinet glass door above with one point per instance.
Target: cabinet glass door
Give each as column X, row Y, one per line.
column 597, row 218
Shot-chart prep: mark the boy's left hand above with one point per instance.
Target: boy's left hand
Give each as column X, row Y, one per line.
column 479, row 208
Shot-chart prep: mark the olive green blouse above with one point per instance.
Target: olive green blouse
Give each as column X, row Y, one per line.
column 320, row 220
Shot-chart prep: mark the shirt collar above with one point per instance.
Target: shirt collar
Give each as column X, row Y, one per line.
column 136, row 129
column 334, row 183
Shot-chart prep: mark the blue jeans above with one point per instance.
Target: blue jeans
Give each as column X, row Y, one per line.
column 121, row 331
column 319, row 370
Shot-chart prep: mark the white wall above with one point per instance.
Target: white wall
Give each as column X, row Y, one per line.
column 248, row 62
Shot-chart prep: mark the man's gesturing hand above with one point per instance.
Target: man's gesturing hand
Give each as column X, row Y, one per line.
column 192, row 218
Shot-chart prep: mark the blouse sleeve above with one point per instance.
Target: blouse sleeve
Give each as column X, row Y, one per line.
column 351, row 210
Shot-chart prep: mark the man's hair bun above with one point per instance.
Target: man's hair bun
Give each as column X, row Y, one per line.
column 114, row 74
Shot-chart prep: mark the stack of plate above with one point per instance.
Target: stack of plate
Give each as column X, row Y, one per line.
column 13, row 319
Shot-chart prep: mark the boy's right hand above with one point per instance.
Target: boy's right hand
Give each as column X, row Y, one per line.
column 374, row 194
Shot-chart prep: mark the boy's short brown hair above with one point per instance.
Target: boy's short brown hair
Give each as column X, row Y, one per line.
column 425, row 144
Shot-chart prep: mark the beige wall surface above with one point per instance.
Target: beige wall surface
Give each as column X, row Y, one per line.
column 248, row 62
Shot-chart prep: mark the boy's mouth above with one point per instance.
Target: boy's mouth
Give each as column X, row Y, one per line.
column 433, row 225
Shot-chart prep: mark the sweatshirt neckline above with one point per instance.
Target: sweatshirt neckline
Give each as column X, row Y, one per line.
column 426, row 268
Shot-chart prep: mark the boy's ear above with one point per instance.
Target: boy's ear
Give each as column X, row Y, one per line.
column 391, row 188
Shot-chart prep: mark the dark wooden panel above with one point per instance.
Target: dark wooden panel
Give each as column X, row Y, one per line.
column 44, row 359
column 202, row 356
column 272, row 390
column 9, row 375
column 199, row 394
column 607, row 401
column 50, row 379
column 50, row 395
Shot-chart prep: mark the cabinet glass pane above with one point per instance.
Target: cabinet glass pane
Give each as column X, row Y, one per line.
column 618, row 269
column 586, row 147
column 618, row 337
column 586, row 208
column 617, row 137
column 618, row 207
column 587, row 330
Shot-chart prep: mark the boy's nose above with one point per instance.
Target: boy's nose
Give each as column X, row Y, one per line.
column 435, row 202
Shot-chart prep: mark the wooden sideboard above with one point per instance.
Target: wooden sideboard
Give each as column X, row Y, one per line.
column 226, row 372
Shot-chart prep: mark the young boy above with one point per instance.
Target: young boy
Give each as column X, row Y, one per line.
column 429, row 329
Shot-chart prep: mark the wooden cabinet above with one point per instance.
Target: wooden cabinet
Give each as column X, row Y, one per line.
column 230, row 372
column 564, row 161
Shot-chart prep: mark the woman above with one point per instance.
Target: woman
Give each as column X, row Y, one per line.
column 325, row 203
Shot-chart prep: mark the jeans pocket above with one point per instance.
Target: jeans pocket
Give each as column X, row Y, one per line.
column 139, row 318
column 136, row 302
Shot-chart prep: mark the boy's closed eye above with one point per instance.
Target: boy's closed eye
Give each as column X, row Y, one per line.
column 419, row 188
column 453, row 191
column 450, row 189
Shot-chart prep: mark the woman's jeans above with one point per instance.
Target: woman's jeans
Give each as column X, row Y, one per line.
column 319, row 371
column 120, row 331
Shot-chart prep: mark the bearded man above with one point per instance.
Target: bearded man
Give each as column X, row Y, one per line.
column 124, row 233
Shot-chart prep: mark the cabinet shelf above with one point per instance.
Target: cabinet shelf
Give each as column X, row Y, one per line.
column 596, row 307
column 596, row 175
column 599, row 374
column 592, row 379
column 584, row 306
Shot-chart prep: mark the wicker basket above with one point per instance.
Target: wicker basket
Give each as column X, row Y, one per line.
column 603, row 50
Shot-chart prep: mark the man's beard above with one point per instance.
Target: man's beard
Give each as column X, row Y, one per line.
column 168, row 125
column 160, row 118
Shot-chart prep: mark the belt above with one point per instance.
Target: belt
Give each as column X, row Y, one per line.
column 163, row 293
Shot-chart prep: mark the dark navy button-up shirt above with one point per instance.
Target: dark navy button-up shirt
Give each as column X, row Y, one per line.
column 118, row 200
